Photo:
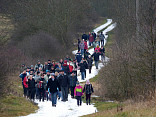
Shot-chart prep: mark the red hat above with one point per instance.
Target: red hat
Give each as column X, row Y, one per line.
column 65, row 61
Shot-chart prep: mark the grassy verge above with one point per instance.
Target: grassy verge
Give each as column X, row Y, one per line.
column 12, row 106
column 15, row 104
column 110, row 42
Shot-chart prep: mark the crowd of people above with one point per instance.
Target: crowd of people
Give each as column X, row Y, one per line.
column 54, row 80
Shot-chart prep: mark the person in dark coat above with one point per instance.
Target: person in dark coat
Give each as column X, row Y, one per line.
column 41, row 84
column 31, row 87
column 85, row 37
column 86, row 54
column 72, row 80
column 90, row 62
column 64, row 83
column 66, row 68
column 53, row 84
column 96, row 58
column 22, row 76
column 79, row 57
column 86, row 65
column 82, row 69
column 102, row 38
column 102, row 51
column 45, row 67
column 88, row 90
column 78, row 44
column 94, row 35
column 49, row 64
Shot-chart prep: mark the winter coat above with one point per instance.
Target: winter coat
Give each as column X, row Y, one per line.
column 37, row 77
column 84, row 36
column 31, row 83
column 94, row 35
column 72, row 81
column 66, row 69
column 95, row 44
column 91, row 38
column 86, row 64
column 44, row 84
column 46, row 77
column 70, row 68
column 98, row 49
column 45, row 67
column 22, row 76
column 78, row 57
column 25, row 82
column 102, row 50
column 90, row 62
column 86, row 54
column 96, row 56
column 63, row 81
column 101, row 37
column 78, row 91
column 85, row 45
column 49, row 66
column 81, row 45
column 53, row 85
column 88, row 89
column 38, row 65
column 82, row 67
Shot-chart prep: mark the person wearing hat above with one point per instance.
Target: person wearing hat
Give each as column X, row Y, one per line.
column 49, row 64
column 88, row 90
column 78, row 56
column 53, row 85
column 72, row 80
column 78, row 92
column 38, row 65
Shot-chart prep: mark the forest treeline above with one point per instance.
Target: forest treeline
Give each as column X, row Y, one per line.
column 41, row 29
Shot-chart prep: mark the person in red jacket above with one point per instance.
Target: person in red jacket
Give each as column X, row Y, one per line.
column 70, row 67
column 91, row 39
column 97, row 48
column 25, row 86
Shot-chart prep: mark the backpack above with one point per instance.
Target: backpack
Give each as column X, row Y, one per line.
column 39, row 85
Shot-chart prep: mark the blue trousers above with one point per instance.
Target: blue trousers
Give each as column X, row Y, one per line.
column 54, row 98
column 82, row 75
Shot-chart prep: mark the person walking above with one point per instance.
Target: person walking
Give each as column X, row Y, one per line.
column 41, row 84
column 78, row 92
column 31, row 87
column 88, row 90
column 72, row 80
column 102, row 51
column 81, row 45
column 102, row 37
column 64, row 83
column 53, row 85
column 82, row 69
column 78, row 56
column 96, row 58
column 90, row 62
